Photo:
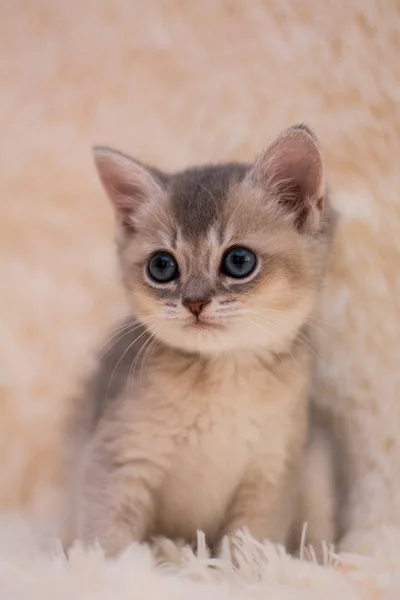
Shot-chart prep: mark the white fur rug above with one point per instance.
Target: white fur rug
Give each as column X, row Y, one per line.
column 33, row 566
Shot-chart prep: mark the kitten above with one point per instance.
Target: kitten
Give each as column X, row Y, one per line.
column 197, row 418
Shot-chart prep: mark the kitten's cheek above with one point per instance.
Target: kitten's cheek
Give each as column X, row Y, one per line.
column 142, row 305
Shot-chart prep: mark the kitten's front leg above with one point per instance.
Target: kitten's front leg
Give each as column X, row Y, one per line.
column 118, row 496
column 263, row 507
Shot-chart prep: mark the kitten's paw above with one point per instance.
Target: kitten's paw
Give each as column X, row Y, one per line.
column 165, row 551
column 113, row 539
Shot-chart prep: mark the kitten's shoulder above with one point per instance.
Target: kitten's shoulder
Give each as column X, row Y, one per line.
column 109, row 377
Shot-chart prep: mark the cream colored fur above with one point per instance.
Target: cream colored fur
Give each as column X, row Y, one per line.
column 209, row 427
column 187, row 449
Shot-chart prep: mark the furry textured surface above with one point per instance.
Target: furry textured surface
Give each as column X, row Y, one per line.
column 174, row 83
column 34, row 568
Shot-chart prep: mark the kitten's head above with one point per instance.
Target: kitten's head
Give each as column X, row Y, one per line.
column 226, row 256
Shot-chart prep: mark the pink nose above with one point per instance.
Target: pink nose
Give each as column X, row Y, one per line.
column 195, row 306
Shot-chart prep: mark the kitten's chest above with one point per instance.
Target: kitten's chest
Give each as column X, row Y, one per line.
column 220, row 415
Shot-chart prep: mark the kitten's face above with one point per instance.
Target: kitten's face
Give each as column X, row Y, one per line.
column 210, row 261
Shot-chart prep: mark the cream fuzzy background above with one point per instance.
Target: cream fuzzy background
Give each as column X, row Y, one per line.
column 174, row 83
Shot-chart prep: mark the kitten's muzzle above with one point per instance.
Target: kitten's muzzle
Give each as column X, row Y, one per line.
column 195, row 306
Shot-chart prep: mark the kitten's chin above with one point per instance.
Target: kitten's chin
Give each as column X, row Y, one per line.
column 214, row 339
column 202, row 338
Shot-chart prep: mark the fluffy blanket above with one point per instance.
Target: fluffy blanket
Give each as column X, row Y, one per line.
column 33, row 566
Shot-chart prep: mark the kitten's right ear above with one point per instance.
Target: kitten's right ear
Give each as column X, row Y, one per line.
column 127, row 183
column 292, row 170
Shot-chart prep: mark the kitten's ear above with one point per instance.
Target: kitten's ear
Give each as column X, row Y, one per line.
column 127, row 183
column 291, row 169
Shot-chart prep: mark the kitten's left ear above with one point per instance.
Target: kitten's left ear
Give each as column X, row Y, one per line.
column 291, row 170
column 128, row 184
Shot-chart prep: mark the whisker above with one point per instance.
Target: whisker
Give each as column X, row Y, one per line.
column 121, row 357
column 299, row 336
column 147, row 355
column 269, row 333
column 125, row 330
column 276, row 296
column 135, row 362
column 307, row 322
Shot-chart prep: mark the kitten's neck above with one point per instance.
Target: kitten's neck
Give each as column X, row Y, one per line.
column 284, row 351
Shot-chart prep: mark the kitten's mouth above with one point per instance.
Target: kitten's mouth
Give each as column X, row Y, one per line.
column 203, row 325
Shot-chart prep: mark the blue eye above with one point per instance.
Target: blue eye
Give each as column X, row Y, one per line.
column 162, row 267
column 238, row 263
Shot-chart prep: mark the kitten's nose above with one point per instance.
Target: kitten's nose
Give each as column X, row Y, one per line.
column 195, row 306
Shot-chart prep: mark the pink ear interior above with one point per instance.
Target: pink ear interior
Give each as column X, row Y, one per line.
column 292, row 169
column 126, row 183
